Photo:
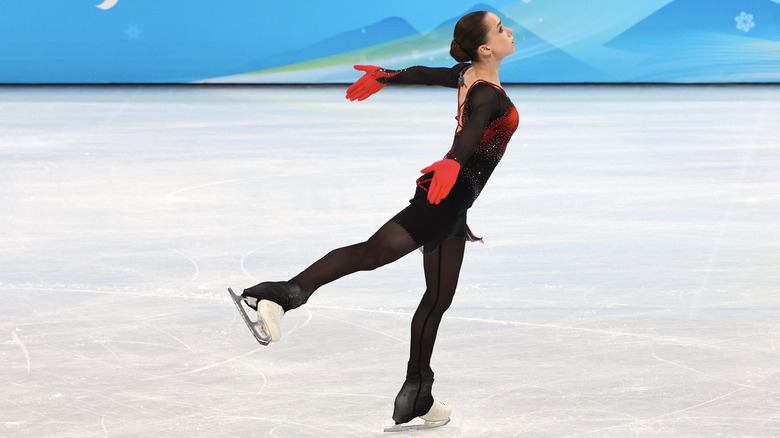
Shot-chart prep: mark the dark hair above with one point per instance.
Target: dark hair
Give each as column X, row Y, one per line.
column 470, row 33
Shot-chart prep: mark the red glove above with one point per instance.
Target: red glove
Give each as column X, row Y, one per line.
column 445, row 173
column 369, row 83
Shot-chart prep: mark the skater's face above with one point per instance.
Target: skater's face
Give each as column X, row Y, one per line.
column 500, row 40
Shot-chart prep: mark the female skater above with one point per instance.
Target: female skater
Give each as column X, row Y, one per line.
column 435, row 220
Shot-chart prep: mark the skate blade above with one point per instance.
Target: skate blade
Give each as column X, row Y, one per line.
column 256, row 327
column 408, row 427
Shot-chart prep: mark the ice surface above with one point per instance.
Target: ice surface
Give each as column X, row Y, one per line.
column 628, row 284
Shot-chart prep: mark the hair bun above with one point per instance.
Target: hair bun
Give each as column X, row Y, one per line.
column 469, row 34
column 457, row 52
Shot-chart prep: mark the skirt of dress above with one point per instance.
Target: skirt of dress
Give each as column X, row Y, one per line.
column 430, row 225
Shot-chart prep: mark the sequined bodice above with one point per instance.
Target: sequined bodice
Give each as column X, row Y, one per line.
column 486, row 156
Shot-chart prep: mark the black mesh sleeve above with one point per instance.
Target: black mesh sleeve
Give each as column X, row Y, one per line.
column 420, row 75
column 482, row 108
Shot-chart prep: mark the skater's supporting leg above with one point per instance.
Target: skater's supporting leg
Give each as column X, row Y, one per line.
column 442, row 268
column 388, row 244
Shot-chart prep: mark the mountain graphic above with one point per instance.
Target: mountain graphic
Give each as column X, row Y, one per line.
column 388, row 29
column 697, row 41
column 537, row 60
column 685, row 22
column 393, row 43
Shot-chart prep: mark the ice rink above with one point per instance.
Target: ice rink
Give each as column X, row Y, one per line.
column 628, row 285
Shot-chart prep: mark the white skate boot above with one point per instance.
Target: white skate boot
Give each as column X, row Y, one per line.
column 268, row 326
column 439, row 412
column 271, row 315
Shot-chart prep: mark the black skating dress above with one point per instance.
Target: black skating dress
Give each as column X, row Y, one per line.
column 486, row 121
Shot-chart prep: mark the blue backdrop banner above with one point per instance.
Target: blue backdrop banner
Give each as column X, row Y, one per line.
column 308, row 41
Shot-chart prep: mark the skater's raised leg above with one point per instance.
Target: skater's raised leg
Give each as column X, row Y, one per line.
column 388, row 244
column 273, row 299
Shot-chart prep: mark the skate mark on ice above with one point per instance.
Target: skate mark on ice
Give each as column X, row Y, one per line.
column 84, row 431
column 298, row 427
column 279, row 242
column 194, row 265
column 300, row 325
column 301, row 427
column 172, row 336
column 172, row 196
column 530, row 324
column 673, row 414
column 530, row 417
column 103, row 425
column 363, row 327
column 360, row 309
column 119, row 361
column 243, row 265
column 710, row 376
column 124, row 295
column 600, row 408
column 582, row 329
column 223, row 362
column 21, row 345
column 515, row 388
column 335, row 393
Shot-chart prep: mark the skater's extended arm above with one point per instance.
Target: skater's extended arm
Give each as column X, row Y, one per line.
column 375, row 78
column 420, row 75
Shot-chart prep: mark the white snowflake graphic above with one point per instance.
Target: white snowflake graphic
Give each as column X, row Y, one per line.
column 745, row 21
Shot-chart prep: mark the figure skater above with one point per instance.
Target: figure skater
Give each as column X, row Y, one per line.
column 435, row 219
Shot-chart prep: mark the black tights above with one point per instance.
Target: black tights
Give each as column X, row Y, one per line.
column 388, row 244
column 442, row 267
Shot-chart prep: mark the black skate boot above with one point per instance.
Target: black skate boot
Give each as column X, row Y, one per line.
column 287, row 294
column 272, row 300
column 415, row 400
